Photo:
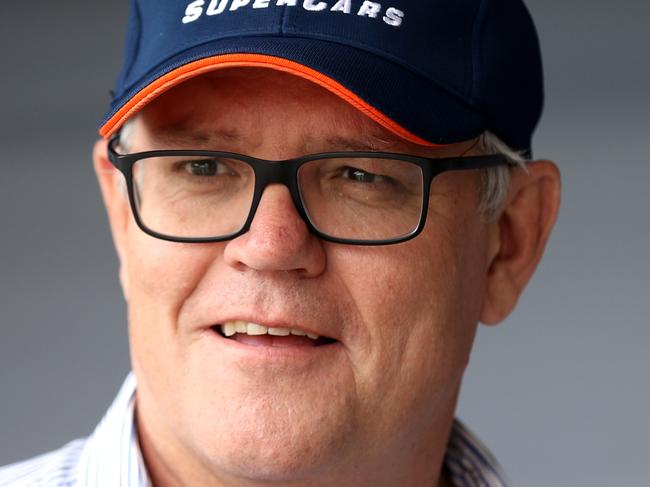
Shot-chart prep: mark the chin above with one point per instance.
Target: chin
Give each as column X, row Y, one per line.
column 276, row 444
column 273, row 458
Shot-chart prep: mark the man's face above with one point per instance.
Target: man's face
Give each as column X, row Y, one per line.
column 403, row 316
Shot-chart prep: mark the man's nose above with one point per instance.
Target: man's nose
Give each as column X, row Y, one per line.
column 278, row 239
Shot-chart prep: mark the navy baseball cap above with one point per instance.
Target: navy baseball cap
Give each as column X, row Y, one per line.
column 433, row 72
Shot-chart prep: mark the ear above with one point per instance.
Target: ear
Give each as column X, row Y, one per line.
column 519, row 235
column 111, row 183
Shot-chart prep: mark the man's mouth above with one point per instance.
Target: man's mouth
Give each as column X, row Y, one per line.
column 259, row 335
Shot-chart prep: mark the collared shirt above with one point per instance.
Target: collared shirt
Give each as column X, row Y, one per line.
column 111, row 456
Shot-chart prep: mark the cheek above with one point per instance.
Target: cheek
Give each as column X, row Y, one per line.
column 161, row 275
column 410, row 302
column 164, row 272
column 419, row 289
column 419, row 304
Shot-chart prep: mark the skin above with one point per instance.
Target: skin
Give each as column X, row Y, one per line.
column 378, row 408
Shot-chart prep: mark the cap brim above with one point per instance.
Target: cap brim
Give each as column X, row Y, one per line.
column 395, row 97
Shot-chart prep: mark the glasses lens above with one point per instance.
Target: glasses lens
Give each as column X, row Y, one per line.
column 193, row 196
column 362, row 198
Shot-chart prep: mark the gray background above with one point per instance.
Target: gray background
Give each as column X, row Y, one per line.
column 560, row 391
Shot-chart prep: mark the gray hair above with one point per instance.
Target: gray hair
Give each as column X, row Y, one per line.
column 495, row 181
column 126, row 135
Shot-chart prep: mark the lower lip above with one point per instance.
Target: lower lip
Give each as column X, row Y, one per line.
column 295, row 354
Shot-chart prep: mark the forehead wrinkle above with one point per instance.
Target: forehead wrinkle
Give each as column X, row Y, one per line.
column 183, row 135
column 363, row 142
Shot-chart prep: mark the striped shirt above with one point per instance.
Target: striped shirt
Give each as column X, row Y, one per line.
column 111, row 456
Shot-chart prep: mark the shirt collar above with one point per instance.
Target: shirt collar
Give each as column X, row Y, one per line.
column 112, row 455
column 469, row 462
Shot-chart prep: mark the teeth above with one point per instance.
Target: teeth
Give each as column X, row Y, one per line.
column 254, row 329
column 279, row 332
column 232, row 327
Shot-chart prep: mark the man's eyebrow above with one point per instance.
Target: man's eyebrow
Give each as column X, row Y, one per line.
column 367, row 142
column 183, row 136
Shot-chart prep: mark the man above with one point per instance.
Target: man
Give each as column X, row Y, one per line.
column 314, row 203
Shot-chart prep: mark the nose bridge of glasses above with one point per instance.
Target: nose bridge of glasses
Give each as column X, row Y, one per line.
column 279, row 172
column 275, row 172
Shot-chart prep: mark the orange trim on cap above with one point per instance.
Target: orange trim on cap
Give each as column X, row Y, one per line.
column 173, row 78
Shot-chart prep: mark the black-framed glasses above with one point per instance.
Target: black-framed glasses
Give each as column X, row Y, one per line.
column 359, row 198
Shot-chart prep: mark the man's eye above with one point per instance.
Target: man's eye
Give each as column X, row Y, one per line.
column 361, row 176
column 208, row 167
